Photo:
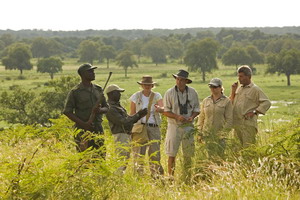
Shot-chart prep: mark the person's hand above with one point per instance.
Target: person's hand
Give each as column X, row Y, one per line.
column 190, row 119
column 142, row 112
column 87, row 126
column 234, row 86
column 181, row 118
column 249, row 115
column 158, row 108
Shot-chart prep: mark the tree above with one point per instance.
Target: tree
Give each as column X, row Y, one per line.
column 201, row 56
column 44, row 48
column 108, row 52
column 157, row 50
column 136, row 47
column 255, row 56
column 126, row 59
column 236, row 56
column 49, row 65
column 286, row 62
column 18, row 57
column 175, row 48
column 88, row 51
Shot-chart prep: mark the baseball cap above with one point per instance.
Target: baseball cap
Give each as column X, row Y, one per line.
column 114, row 87
column 85, row 67
column 215, row 82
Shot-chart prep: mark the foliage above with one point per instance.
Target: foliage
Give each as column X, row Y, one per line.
column 50, row 65
column 286, row 62
column 157, row 50
column 108, row 52
column 88, row 51
column 18, row 57
column 201, row 56
column 235, row 56
column 26, row 107
column 44, row 48
column 126, row 59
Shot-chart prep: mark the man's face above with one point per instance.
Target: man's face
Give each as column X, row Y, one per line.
column 243, row 79
column 89, row 75
column 115, row 95
column 181, row 82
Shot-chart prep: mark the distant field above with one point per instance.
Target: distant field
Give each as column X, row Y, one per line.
column 285, row 99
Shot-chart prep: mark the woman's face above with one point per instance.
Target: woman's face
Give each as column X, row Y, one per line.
column 215, row 90
column 147, row 87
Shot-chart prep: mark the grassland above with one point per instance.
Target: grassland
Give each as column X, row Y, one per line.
column 41, row 163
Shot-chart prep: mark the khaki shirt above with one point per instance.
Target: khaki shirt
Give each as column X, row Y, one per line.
column 81, row 101
column 247, row 99
column 215, row 116
column 119, row 120
column 171, row 102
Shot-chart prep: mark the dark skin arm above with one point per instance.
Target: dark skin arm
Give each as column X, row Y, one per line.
column 85, row 125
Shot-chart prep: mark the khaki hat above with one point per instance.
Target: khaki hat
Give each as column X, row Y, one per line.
column 146, row 80
column 215, row 82
column 114, row 87
column 85, row 67
column 183, row 74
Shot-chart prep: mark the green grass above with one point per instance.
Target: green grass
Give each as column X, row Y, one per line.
column 57, row 171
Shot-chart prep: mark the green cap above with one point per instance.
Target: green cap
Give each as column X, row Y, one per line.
column 85, row 67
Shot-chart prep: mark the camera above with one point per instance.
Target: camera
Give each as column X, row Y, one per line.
column 183, row 108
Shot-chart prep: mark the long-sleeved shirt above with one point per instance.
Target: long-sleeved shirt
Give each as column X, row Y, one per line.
column 119, row 120
column 215, row 116
column 247, row 99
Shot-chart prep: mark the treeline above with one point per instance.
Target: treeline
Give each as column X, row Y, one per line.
column 197, row 49
column 140, row 33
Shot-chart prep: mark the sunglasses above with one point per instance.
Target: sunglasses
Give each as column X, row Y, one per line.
column 212, row 86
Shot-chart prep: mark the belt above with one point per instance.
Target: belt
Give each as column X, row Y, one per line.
column 151, row 125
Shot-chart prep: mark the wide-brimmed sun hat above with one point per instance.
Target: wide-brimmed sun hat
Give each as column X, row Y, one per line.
column 183, row 74
column 146, row 80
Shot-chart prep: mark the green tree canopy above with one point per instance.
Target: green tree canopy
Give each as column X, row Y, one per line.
column 201, row 56
column 126, row 59
column 44, row 48
column 236, row 56
column 157, row 49
column 18, row 57
column 88, row 51
column 49, row 65
column 286, row 62
column 175, row 48
column 108, row 52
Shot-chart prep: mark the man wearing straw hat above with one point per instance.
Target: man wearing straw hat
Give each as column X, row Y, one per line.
column 181, row 106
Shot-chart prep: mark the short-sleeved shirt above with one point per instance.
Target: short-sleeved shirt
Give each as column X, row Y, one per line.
column 215, row 116
column 247, row 99
column 81, row 101
column 171, row 103
column 141, row 102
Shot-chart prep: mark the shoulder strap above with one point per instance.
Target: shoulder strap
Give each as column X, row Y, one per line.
column 149, row 106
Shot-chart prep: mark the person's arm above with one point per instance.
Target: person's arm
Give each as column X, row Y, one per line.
column 132, row 108
column 228, row 116
column 85, row 125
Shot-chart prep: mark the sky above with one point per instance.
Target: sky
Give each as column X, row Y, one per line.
column 68, row 15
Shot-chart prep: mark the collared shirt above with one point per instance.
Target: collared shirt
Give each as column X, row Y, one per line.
column 81, row 101
column 171, row 102
column 247, row 99
column 215, row 116
column 119, row 120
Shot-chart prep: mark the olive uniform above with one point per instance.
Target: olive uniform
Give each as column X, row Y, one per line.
column 81, row 101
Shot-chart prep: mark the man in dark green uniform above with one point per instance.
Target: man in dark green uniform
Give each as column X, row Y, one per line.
column 120, row 122
column 81, row 103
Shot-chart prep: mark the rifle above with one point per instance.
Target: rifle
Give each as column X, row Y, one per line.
column 93, row 113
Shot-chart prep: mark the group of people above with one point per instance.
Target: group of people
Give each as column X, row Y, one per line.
column 180, row 104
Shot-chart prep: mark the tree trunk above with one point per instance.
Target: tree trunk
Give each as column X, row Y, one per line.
column 203, row 76
column 125, row 72
column 288, row 77
column 107, row 63
column 51, row 76
column 21, row 71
